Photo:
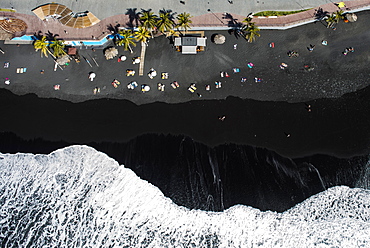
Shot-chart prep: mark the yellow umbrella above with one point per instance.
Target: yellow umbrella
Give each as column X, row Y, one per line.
column 341, row 4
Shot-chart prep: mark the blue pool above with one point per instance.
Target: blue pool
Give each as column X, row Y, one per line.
column 71, row 43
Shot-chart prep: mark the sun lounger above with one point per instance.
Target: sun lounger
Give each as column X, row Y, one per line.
column 115, row 83
column 236, row 70
column 130, row 72
column 21, row 70
column 164, row 75
column 161, row 87
column 192, row 88
column 175, row 84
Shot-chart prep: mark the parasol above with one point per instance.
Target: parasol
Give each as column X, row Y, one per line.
column 110, row 53
column 63, row 60
column 219, row 39
column 352, row 17
column 145, row 88
column 92, row 75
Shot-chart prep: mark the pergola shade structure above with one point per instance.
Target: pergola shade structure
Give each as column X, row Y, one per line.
column 190, row 45
column 65, row 15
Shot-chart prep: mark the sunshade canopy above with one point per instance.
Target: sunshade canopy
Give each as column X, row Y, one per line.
column 352, row 17
column 111, row 52
column 65, row 15
column 189, row 50
column 219, row 39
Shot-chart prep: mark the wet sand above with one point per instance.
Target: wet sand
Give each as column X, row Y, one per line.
column 334, row 126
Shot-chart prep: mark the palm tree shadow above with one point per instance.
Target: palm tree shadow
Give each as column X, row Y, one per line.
column 134, row 18
column 234, row 24
column 231, row 21
column 145, row 10
column 38, row 35
column 171, row 15
column 113, row 29
column 320, row 14
column 50, row 36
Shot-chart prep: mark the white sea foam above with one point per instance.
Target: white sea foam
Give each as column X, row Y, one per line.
column 78, row 197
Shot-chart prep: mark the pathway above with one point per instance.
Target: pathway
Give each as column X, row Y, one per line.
column 209, row 21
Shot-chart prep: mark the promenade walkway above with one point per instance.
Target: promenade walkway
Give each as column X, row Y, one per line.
column 209, row 21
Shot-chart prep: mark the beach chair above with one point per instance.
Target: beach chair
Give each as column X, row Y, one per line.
column 130, row 73
column 192, row 88
column 161, row 87
column 164, row 75
column 115, row 83
column 175, row 84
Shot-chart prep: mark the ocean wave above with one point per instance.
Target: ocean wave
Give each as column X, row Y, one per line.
column 79, row 197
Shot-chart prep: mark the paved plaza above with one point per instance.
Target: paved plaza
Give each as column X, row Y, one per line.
column 108, row 8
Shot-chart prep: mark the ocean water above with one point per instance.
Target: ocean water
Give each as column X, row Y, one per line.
column 79, row 197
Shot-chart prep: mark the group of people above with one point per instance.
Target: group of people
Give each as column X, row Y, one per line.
column 347, row 50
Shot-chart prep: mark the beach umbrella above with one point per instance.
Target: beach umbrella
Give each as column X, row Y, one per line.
column 145, row 88
column 92, row 75
column 110, row 53
column 219, row 39
column 352, row 17
column 63, row 60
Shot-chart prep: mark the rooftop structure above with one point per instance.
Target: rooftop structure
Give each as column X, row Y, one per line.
column 190, row 45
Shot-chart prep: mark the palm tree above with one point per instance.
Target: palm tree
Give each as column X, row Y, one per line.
column 334, row 18
column 42, row 45
column 339, row 15
column 126, row 40
column 248, row 21
column 164, row 23
column 142, row 35
column 184, row 21
column 173, row 33
column 330, row 21
column 148, row 20
column 251, row 32
column 58, row 47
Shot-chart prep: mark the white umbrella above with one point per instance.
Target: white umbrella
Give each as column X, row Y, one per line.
column 152, row 73
column 92, row 75
column 123, row 58
column 351, row 17
column 63, row 60
column 110, row 53
column 145, row 88
column 219, row 39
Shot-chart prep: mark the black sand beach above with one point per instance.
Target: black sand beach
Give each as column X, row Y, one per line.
column 292, row 112
column 334, row 74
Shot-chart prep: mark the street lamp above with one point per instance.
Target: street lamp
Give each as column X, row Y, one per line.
column 209, row 10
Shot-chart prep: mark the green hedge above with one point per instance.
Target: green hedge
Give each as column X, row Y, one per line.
column 278, row 13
